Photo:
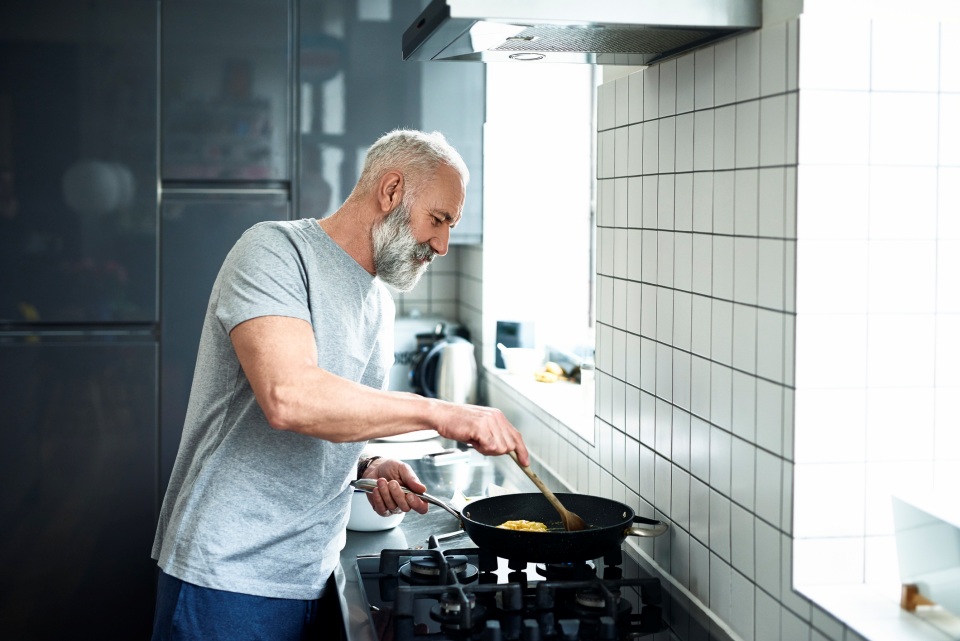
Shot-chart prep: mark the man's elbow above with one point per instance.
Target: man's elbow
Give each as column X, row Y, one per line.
column 280, row 410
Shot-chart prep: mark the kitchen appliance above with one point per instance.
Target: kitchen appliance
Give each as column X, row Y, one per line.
column 415, row 338
column 407, row 346
column 607, row 32
column 468, row 593
column 457, row 376
column 445, row 367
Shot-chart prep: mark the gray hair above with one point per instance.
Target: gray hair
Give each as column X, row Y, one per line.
column 416, row 154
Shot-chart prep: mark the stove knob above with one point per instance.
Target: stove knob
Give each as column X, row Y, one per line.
column 492, row 631
column 569, row 629
column 531, row 630
column 547, row 624
column 608, row 629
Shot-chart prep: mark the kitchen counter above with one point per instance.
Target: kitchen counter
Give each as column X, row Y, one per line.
column 466, row 471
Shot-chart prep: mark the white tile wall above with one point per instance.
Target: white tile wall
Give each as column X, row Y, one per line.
column 710, row 217
column 874, row 228
column 710, row 168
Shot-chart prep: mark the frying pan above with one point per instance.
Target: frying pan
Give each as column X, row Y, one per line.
column 608, row 524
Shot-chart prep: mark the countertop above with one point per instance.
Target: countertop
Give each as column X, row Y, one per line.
column 468, row 472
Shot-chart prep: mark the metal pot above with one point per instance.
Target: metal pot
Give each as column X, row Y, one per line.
column 608, row 521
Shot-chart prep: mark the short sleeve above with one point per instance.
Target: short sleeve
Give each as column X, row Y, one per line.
column 263, row 275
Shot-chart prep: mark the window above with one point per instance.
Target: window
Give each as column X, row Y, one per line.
column 538, row 203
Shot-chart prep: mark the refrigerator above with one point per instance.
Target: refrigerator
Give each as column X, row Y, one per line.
column 78, row 317
column 138, row 140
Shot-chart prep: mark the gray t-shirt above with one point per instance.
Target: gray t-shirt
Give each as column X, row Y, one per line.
column 249, row 508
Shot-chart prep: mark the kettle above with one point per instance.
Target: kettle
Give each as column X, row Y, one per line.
column 448, row 371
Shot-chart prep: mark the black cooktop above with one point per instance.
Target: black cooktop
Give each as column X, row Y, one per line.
column 444, row 588
column 451, row 593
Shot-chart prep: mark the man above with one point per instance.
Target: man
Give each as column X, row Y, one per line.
column 289, row 385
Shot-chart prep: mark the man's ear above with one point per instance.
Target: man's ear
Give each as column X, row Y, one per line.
column 390, row 190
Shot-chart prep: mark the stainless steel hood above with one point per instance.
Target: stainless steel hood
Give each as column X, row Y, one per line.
column 607, row 32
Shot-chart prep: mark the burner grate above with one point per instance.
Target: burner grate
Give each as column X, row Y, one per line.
column 465, row 593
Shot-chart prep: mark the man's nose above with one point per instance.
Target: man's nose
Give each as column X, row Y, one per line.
column 440, row 242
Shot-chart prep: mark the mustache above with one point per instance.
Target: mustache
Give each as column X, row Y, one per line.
column 424, row 252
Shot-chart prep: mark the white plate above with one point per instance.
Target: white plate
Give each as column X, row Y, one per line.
column 419, row 435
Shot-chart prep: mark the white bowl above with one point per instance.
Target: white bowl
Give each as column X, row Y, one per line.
column 364, row 519
column 522, row 361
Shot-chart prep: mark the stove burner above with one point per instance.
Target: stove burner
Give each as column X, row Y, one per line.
column 429, row 566
column 452, row 619
column 592, row 603
column 451, row 603
column 567, row 571
column 464, row 595
column 595, row 599
column 427, row 570
column 458, row 611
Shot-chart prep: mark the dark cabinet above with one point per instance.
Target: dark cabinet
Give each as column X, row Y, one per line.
column 226, row 101
column 78, row 308
column 229, row 111
column 354, row 86
column 198, row 231
column 225, row 90
column 78, row 105
column 78, row 470
column 453, row 100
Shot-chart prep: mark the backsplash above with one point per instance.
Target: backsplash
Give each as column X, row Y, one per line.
column 697, row 243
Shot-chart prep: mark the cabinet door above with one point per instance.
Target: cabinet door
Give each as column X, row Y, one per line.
column 355, row 86
column 78, row 161
column 78, row 471
column 453, row 99
column 225, row 89
column 198, row 230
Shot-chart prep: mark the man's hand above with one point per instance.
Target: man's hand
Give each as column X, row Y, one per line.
column 388, row 498
column 484, row 428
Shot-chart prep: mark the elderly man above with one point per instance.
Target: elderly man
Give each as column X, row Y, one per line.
column 289, row 385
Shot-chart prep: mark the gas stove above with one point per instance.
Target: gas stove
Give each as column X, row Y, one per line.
column 427, row 580
column 452, row 593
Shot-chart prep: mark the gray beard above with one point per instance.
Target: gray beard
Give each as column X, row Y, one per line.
column 396, row 253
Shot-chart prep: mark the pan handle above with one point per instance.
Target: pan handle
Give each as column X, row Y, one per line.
column 369, row 485
column 656, row 527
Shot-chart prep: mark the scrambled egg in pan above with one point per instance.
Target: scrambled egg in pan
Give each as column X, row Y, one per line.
column 524, row 526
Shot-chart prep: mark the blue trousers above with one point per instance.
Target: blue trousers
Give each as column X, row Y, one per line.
column 187, row 612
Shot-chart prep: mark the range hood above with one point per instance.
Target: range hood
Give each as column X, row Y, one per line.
column 606, row 32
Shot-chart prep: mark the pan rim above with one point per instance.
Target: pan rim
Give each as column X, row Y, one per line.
column 626, row 517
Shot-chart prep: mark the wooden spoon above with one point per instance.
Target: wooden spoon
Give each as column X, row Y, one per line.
column 571, row 521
